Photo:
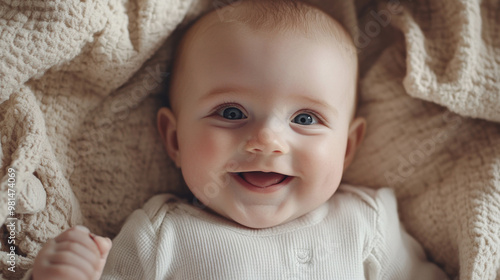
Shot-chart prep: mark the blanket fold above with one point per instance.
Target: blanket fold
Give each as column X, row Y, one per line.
column 452, row 50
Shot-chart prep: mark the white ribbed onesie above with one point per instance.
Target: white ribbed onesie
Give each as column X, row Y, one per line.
column 355, row 235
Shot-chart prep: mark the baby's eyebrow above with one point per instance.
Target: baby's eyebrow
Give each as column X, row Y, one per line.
column 222, row 91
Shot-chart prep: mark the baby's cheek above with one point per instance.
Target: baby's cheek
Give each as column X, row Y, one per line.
column 208, row 145
column 207, row 149
column 207, row 152
column 327, row 163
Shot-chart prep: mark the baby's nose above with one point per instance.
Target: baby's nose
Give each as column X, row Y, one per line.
column 267, row 142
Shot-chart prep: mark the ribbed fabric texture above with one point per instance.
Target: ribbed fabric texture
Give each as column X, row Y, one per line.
column 355, row 234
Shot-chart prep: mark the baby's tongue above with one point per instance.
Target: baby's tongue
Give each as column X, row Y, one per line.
column 262, row 179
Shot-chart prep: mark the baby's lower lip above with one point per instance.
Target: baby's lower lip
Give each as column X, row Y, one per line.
column 262, row 179
column 262, row 189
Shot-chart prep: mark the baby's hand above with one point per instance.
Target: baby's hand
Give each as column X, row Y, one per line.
column 75, row 254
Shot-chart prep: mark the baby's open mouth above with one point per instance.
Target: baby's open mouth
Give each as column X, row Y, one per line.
column 262, row 179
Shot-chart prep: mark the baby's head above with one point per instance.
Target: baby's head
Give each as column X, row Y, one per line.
column 262, row 122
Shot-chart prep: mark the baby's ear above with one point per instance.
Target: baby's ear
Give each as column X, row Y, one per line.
column 355, row 136
column 167, row 126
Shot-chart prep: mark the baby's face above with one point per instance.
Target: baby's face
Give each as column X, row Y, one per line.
column 261, row 123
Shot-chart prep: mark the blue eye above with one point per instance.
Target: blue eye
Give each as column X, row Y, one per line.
column 232, row 113
column 304, row 119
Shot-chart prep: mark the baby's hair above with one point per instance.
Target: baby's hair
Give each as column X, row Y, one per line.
column 289, row 16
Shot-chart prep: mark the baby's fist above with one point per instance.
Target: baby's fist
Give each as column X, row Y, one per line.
column 75, row 254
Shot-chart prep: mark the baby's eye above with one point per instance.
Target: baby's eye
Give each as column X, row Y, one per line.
column 232, row 113
column 305, row 119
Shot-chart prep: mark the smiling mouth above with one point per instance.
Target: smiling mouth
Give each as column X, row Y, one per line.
column 262, row 179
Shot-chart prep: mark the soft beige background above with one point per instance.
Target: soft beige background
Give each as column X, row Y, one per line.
column 80, row 83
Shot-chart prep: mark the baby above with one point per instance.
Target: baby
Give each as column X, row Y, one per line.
column 262, row 125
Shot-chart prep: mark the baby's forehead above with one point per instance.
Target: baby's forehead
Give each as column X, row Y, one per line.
column 275, row 17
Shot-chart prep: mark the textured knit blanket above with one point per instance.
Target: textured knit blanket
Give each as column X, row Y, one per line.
column 81, row 81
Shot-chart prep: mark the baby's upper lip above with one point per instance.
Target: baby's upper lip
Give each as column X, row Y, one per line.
column 267, row 171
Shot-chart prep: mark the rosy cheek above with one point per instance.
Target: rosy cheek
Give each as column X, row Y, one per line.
column 209, row 147
column 324, row 161
column 321, row 154
column 201, row 146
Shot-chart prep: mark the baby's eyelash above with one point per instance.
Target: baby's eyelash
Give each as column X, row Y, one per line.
column 224, row 105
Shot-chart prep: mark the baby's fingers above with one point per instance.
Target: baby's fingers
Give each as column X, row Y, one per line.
column 79, row 250
column 80, row 235
column 55, row 264
column 104, row 245
column 67, row 261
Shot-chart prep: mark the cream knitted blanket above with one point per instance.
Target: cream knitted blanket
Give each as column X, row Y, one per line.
column 80, row 83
